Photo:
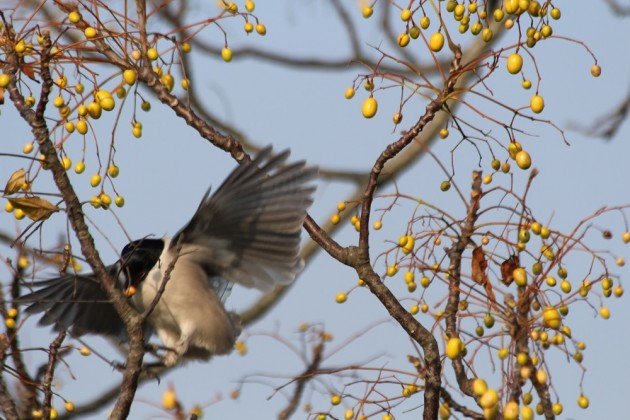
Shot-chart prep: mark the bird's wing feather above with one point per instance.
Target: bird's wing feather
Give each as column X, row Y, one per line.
column 248, row 231
column 74, row 301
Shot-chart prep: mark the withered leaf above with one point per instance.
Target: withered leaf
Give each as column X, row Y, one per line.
column 34, row 207
column 479, row 265
column 16, row 182
column 507, row 267
column 29, row 70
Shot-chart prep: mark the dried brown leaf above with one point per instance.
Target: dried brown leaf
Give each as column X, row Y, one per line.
column 16, row 182
column 507, row 267
column 34, row 207
column 29, row 70
column 479, row 265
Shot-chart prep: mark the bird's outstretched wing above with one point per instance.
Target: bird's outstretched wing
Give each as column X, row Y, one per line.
column 75, row 302
column 78, row 302
column 248, row 231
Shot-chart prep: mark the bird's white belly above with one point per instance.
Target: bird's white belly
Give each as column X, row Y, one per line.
column 188, row 312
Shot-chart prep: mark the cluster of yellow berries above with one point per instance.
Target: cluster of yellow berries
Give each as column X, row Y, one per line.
column 39, row 413
column 11, row 315
column 249, row 27
column 406, row 243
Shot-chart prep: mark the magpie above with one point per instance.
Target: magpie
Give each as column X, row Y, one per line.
column 246, row 233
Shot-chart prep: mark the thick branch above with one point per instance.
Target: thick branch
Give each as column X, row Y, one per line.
column 50, row 372
column 455, row 257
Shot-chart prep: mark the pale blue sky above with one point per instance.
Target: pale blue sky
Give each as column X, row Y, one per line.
column 164, row 175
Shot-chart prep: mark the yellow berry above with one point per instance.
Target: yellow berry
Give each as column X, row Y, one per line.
column 10, row 323
column 367, row 12
column 8, row 207
column 520, row 276
column 436, row 42
column 79, row 167
column 169, row 399
column 425, row 22
column 249, row 27
column 105, row 199
column 137, row 132
column 405, row 15
column 604, row 312
column 555, row 13
column 487, row 34
column 226, row 54
column 94, row 109
column 19, row 214
column 185, row 83
column 168, row 81
column 250, row 6
column 20, row 47
column 261, row 29
column 335, row 399
column 152, row 54
column 454, row 347
column 69, row 126
column 334, row 219
column 119, row 201
column 4, row 80
column 29, row 101
column 130, row 76
column 403, row 40
column 186, row 47
column 551, row 318
column 489, row 399
column 444, row 133
column 392, row 270
column 510, row 411
column 537, row 104
column 583, row 402
column 74, row 16
column 107, row 104
column 113, row 171
column 514, row 63
column 349, row 93
column 341, row 298
column 66, row 163
column 557, row 409
column 369, row 108
column 378, row 225
column 596, row 70
column 523, row 160
column 397, row 118
column 479, row 387
column 12, row 312
column 95, row 180
column 69, row 406
column 59, row 102
column 90, row 32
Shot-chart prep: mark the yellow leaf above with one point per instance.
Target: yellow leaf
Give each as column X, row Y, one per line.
column 16, row 182
column 34, row 207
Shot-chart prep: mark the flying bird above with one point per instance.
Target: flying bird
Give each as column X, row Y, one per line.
column 246, row 233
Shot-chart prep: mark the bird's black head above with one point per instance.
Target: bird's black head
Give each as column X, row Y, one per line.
column 137, row 259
